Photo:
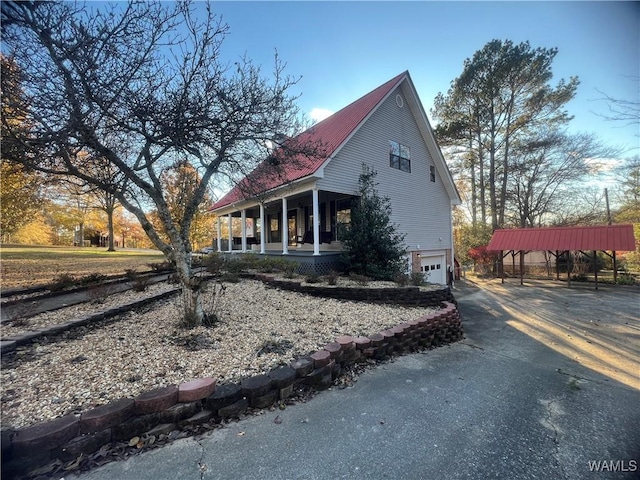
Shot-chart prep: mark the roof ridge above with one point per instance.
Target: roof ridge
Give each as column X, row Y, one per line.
column 384, row 86
column 332, row 132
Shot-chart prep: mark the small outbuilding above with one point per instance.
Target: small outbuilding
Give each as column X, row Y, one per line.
column 557, row 240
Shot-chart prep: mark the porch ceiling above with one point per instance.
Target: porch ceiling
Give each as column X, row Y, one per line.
column 295, row 196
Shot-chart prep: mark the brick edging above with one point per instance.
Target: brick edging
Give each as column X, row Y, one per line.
column 198, row 401
column 408, row 296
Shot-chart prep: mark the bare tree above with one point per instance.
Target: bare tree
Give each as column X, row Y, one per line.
column 622, row 110
column 150, row 75
column 546, row 173
column 584, row 206
column 627, row 191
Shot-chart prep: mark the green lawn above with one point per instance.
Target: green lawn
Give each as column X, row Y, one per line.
column 24, row 265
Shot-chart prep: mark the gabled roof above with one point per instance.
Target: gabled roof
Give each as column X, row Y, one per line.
column 603, row 237
column 331, row 132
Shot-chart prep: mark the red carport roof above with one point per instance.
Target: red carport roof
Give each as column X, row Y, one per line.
column 603, row 237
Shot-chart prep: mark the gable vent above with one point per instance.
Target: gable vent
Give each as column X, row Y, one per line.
column 399, row 100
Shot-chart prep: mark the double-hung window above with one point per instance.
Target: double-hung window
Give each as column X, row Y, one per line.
column 399, row 156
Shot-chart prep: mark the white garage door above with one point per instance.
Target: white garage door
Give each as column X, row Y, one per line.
column 435, row 267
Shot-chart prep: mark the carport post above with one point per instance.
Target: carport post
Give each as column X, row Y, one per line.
column 595, row 268
column 568, row 269
column 501, row 264
column 521, row 267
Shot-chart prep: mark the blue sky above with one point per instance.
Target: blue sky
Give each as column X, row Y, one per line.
column 343, row 50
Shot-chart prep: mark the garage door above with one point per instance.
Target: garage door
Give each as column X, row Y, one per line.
column 435, row 268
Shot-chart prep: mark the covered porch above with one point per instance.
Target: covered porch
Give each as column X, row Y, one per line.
column 302, row 223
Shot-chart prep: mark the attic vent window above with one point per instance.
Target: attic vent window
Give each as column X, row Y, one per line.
column 399, row 100
column 399, row 156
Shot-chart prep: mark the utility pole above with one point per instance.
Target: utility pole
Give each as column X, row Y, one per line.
column 606, row 199
column 613, row 257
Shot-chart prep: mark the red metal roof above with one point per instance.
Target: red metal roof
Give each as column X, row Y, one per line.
column 603, row 237
column 330, row 132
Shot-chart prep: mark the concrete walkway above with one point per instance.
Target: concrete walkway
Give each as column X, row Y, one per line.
column 546, row 381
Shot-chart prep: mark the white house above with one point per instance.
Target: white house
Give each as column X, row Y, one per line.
column 388, row 130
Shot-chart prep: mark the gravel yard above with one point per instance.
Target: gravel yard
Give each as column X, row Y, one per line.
column 259, row 328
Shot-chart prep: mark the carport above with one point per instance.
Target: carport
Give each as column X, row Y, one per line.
column 557, row 240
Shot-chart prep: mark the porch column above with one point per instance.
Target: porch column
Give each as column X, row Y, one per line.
column 284, row 231
column 263, row 233
column 219, row 231
column 229, row 221
column 243, row 216
column 316, row 223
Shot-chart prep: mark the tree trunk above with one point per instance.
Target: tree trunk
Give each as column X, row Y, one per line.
column 505, row 164
column 474, row 187
column 81, row 235
column 483, row 203
column 192, row 310
column 110, row 227
column 492, row 187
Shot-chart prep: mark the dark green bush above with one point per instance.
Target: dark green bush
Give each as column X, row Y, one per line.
column 235, row 265
column 251, row 261
column 214, row 263
column 61, row 282
column 332, row 278
column 161, row 266
column 361, row 280
column 288, row 268
column 373, row 245
column 312, row 278
column 131, row 273
column 401, row 279
column 140, row 284
column 626, row 279
column 230, row 277
column 91, row 279
column 417, row 279
column 268, row 265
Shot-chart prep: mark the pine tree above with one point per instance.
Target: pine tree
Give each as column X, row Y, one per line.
column 373, row 246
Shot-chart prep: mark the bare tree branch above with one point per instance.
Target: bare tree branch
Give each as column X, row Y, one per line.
column 136, row 86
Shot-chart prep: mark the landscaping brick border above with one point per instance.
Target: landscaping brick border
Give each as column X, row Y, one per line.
column 407, row 296
column 197, row 401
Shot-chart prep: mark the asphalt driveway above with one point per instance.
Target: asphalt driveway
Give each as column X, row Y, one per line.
column 545, row 385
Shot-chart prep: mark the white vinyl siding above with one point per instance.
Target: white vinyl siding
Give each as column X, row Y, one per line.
column 421, row 208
